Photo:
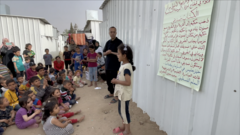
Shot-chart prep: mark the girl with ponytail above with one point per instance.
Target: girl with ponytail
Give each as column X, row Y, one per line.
column 123, row 87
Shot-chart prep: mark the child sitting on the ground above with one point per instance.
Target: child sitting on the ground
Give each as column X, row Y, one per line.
column 68, row 93
column 100, row 60
column 37, row 88
column 40, row 64
column 11, row 94
column 59, row 83
column 53, row 125
column 52, row 76
column 4, row 86
column 77, row 80
column 63, row 75
column 6, row 113
column 50, row 83
column 23, row 85
column 40, row 70
column 36, row 102
column 64, row 107
column 70, row 75
column 27, row 116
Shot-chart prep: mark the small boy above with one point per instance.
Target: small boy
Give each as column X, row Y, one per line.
column 100, row 60
column 48, row 59
column 51, row 75
column 78, row 57
column 4, row 86
column 38, row 89
column 67, row 57
column 31, row 71
column 50, row 83
column 11, row 95
column 17, row 61
column 40, row 70
column 63, row 75
column 23, row 85
column 85, row 62
column 36, row 102
column 67, row 93
column 26, row 66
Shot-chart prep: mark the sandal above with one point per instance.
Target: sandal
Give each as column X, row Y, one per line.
column 114, row 101
column 117, row 130
column 107, row 96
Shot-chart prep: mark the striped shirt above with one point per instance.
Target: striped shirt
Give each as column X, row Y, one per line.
column 4, row 71
column 64, row 94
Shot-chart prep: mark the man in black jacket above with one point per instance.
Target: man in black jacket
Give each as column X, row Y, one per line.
column 112, row 64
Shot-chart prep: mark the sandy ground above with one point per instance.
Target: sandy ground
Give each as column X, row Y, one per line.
column 101, row 117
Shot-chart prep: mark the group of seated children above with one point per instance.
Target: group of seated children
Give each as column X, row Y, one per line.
column 25, row 100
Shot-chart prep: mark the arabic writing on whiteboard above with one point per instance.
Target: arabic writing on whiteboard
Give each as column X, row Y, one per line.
column 184, row 41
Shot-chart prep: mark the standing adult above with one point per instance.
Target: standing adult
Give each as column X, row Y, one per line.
column 29, row 52
column 112, row 64
column 98, row 48
column 7, row 55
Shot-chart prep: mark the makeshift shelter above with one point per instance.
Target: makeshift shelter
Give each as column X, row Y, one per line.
column 77, row 39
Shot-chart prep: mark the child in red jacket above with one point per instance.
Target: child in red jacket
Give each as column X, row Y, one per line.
column 58, row 65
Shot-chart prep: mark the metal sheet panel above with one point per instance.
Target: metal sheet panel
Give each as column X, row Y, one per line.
column 23, row 30
column 175, row 108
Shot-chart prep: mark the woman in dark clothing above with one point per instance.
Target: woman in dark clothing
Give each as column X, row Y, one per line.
column 7, row 57
column 29, row 52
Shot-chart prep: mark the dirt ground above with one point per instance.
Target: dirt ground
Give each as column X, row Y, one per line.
column 101, row 117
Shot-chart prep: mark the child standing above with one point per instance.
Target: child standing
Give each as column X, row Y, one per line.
column 123, row 87
column 17, row 61
column 78, row 57
column 11, row 94
column 6, row 113
column 26, row 66
column 72, row 61
column 27, row 116
column 85, row 62
column 53, row 125
column 48, row 59
column 67, row 57
column 92, row 65
column 67, row 93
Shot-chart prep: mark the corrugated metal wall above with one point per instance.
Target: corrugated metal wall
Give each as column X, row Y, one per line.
column 22, row 30
column 178, row 111
column 95, row 30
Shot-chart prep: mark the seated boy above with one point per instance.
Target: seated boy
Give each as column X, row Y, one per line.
column 37, row 88
column 4, row 86
column 23, row 85
column 100, row 60
column 11, row 94
column 40, row 70
column 67, row 93
column 36, row 102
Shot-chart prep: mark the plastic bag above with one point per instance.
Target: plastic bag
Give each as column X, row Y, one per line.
column 87, row 75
